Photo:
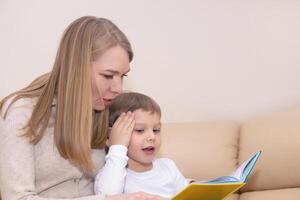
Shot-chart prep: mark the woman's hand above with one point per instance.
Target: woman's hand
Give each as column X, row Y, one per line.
column 135, row 196
column 122, row 129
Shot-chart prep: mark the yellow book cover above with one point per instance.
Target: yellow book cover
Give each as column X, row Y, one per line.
column 220, row 187
column 198, row 191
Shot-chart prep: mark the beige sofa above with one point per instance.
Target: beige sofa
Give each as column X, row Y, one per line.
column 204, row 150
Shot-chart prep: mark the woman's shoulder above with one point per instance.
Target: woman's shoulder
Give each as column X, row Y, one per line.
column 14, row 116
column 13, row 107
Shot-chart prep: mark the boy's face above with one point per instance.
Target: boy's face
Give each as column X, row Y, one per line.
column 145, row 140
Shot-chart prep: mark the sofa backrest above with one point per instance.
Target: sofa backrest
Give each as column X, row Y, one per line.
column 278, row 136
column 201, row 150
column 205, row 150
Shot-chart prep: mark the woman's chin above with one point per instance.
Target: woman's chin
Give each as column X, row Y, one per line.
column 107, row 104
column 98, row 107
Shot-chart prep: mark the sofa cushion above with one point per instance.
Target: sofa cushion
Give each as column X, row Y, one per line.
column 281, row 194
column 233, row 197
column 278, row 137
column 201, row 150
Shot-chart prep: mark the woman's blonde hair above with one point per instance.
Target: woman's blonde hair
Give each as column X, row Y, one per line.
column 77, row 127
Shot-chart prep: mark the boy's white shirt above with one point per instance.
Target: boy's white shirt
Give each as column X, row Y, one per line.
column 163, row 179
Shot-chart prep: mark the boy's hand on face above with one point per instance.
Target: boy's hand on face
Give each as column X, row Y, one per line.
column 122, row 129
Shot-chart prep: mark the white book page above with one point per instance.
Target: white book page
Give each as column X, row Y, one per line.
column 238, row 173
column 245, row 169
column 221, row 179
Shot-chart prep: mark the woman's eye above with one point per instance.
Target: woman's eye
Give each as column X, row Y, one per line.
column 108, row 76
column 124, row 75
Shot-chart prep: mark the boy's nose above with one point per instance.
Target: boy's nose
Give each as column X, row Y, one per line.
column 150, row 136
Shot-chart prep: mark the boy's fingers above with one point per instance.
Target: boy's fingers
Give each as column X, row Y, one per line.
column 120, row 119
column 126, row 120
column 131, row 124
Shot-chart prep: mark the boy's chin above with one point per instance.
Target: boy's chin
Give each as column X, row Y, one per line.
column 139, row 166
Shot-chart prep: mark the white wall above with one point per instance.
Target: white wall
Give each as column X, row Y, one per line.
column 201, row 60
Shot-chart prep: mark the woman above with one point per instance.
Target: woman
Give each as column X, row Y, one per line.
column 52, row 132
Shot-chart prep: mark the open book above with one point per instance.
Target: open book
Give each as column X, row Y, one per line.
column 221, row 187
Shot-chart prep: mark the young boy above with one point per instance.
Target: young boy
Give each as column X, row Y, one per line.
column 133, row 166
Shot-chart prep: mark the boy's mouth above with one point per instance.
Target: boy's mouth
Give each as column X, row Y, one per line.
column 148, row 150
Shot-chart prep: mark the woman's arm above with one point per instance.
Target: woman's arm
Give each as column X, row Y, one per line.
column 17, row 160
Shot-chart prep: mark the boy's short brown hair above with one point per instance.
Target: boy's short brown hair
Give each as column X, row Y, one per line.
column 131, row 101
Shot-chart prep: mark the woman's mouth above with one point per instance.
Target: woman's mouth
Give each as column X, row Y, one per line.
column 107, row 102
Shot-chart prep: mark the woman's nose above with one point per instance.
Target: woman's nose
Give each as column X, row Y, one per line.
column 117, row 86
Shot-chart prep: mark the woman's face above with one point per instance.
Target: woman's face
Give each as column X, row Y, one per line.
column 108, row 71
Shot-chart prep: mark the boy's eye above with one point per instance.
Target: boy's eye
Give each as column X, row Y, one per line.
column 156, row 130
column 139, row 130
